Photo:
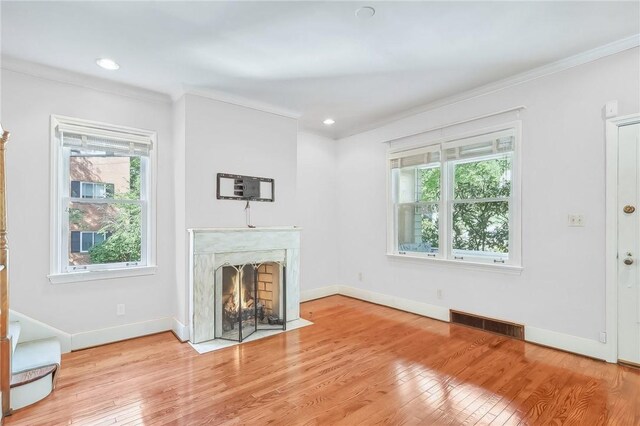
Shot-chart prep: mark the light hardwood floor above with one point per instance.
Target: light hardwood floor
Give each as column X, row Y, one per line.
column 358, row 364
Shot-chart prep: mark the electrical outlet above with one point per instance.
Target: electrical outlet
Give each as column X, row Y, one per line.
column 576, row 220
column 439, row 293
column 611, row 109
column 120, row 309
column 359, row 276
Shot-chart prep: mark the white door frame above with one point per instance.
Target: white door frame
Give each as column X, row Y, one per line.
column 611, row 270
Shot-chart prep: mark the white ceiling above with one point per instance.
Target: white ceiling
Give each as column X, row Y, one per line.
column 313, row 58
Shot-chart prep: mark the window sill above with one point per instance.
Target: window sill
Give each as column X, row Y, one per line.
column 462, row 264
column 107, row 274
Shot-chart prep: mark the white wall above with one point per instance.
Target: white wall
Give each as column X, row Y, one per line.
column 335, row 190
column 562, row 286
column 227, row 138
column 221, row 137
column 180, row 231
column 317, row 212
column 27, row 103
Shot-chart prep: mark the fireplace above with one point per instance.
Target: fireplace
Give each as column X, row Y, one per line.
column 251, row 298
column 242, row 280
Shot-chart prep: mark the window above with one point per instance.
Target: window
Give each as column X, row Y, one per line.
column 83, row 241
column 91, row 189
column 457, row 200
column 103, row 210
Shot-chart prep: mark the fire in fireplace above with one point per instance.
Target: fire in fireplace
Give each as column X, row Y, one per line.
column 251, row 297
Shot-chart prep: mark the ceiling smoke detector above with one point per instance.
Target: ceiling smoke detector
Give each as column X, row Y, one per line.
column 107, row 64
column 365, row 12
column 329, row 121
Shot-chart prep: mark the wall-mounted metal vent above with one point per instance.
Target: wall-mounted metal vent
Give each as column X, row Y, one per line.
column 489, row 324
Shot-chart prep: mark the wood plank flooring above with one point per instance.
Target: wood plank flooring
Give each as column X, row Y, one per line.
column 358, row 364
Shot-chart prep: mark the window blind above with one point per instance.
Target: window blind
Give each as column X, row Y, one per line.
column 104, row 140
column 415, row 157
column 478, row 146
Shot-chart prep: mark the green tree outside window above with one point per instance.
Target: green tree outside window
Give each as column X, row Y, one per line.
column 477, row 226
column 124, row 227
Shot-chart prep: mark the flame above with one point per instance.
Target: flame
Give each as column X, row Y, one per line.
column 235, row 296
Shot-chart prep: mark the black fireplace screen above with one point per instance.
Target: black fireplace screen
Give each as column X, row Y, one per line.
column 250, row 297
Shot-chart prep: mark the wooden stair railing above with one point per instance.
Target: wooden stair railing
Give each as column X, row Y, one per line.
column 5, row 338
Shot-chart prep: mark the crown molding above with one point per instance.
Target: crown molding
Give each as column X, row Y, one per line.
column 241, row 101
column 316, row 133
column 533, row 74
column 10, row 63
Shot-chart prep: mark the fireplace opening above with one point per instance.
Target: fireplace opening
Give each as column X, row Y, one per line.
column 250, row 298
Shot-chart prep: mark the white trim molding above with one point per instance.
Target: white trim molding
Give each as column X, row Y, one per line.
column 59, row 229
column 32, row 329
column 552, row 339
column 88, row 339
column 567, row 342
column 180, row 330
column 611, row 226
column 524, row 77
column 319, row 293
column 423, row 143
column 432, row 311
column 468, row 265
column 46, row 72
column 242, row 102
column 107, row 274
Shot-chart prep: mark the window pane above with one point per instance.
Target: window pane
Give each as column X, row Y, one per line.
column 75, row 241
column 483, row 179
column 418, row 228
column 87, row 190
column 75, row 189
column 98, row 238
column 116, row 226
column 429, row 184
column 87, row 241
column 114, row 176
column 99, row 191
column 481, row 229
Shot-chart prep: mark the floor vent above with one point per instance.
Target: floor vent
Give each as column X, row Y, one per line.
column 495, row 326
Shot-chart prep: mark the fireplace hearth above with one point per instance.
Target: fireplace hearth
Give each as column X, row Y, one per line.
column 251, row 298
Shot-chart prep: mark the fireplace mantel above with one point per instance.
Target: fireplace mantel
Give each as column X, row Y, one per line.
column 210, row 248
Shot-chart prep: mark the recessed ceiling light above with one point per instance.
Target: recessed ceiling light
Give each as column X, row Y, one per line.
column 329, row 121
column 365, row 12
column 107, row 64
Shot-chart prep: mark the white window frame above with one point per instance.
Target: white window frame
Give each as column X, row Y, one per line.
column 421, row 143
column 60, row 270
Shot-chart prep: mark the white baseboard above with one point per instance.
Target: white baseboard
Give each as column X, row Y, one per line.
column 318, row 293
column 424, row 309
column 103, row 336
column 432, row 311
column 553, row 339
column 567, row 342
column 180, row 330
column 32, row 329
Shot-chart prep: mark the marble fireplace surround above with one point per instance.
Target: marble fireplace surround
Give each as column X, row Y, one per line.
column 210, row 248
